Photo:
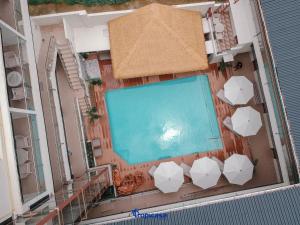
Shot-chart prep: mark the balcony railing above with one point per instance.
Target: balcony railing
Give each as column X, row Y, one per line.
column 74, row 200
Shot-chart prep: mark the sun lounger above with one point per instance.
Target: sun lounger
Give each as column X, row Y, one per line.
column 205, row 25
column 152, row 170
column 219, row 36
column 220, row 163
column 96, row 146
column 227, row 123
column 209, row 46
column 221, row 96
column 186, row 169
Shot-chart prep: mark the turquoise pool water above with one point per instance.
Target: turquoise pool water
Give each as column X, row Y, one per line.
column 163, row 120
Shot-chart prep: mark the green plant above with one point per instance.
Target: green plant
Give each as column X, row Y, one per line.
column 223, row 65
column 96, row 82
column 93, row 114
column 84, row 55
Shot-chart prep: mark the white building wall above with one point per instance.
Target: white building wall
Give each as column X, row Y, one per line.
column 37, row 102
column 68, row 30
column 5, row 203
column 88, row 39
column 8, row 170
column 5, row 194
column 89, row 32
column 37, row 38
column 243, row 20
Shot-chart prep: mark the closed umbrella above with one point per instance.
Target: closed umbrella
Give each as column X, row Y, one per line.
column 238, row 169
column 246, row 121
column 238, row 90
column 168, row 177
column 205, row 172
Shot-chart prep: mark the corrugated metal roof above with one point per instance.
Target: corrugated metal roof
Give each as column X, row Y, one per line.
column 283, row 22
column 271, row 208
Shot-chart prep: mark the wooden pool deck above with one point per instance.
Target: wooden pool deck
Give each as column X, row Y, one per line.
column 256, row 147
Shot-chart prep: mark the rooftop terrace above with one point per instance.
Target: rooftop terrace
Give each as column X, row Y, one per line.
column 256, row 147
column 266, row 149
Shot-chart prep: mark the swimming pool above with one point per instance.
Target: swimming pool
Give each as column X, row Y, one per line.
column 163, row 120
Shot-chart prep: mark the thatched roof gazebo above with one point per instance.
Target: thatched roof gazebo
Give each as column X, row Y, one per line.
column 155, row 40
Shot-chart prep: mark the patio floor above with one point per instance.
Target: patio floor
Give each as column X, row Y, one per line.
column 256, row 147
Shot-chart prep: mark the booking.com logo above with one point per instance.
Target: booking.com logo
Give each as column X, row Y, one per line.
column 137, row 214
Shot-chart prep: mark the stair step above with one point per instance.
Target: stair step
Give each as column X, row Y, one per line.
column 75, row 73
column 63, row 46
column 72, row 62
column 83, row 105
column 68, row 59
column 72, row 70
column 73, row 77
column 77, row 87
column 76, row 83
column 66, row 55
column 65, row 51
column 84, row 108
column 81, row 99
column 74, row 66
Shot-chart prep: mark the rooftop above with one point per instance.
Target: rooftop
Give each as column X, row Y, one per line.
column 81, row 57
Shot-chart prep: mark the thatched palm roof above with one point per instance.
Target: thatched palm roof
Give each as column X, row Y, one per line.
column 157, row 39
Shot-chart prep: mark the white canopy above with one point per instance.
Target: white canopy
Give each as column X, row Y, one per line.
column 246, row 121
column 238, row 169
column 238, row 90
column 205, row 172
column 168, row 177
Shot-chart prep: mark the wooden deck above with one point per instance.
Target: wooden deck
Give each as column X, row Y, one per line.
column 100, row 128
column 256, row 147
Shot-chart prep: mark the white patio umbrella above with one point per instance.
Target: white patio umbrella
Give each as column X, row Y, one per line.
column 168, row 177
column 205, row 172
column 238, row 169
column 246, row 121
column 238, row 90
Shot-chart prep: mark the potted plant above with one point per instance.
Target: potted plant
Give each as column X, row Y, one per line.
column 84, row 55
column 95, row 82
column 223, row 65
column 93, row 114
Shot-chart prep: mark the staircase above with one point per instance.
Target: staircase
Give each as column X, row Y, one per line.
column 84, row 105
column 70, row 65
column 71, row 68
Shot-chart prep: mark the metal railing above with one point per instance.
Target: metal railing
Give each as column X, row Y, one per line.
column 277, row 98
column 70, row 47
column 49, row 67
column 75, row 199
